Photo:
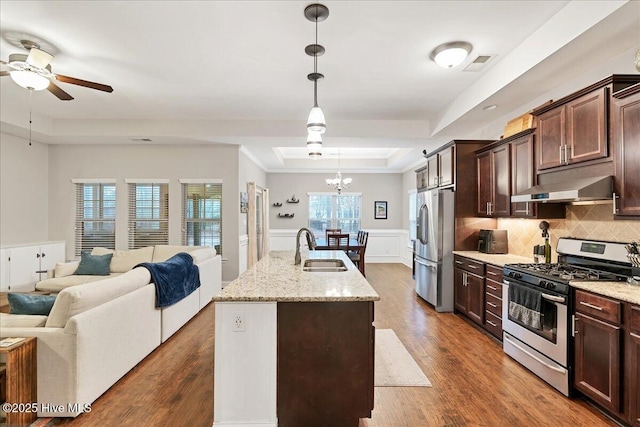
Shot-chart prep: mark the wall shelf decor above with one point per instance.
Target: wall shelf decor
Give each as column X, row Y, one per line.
column 287, row 215
column 277, row 204
column 293, row 199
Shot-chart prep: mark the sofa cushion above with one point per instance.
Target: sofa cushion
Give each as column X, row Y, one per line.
column 22, row 320
column 202, row 254
column 124, row 261
column 56, row 284
column 30, row 304
column 164, row 252
column 94, row 265
column 77, row 299
column 63, row 269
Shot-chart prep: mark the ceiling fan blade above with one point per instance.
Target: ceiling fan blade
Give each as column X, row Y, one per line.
column 85, row 83
column 62, row 95
column 4, row 73
column 38, row 58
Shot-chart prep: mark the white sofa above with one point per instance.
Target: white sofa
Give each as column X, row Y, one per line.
column 97, row 331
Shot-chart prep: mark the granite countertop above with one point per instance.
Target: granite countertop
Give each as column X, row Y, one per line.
column 619, row 290
column 496, row 259
column 276, row 278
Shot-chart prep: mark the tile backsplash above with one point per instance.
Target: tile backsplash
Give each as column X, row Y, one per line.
column 582, row 221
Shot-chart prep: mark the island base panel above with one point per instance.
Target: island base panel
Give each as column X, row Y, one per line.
column 325, row 363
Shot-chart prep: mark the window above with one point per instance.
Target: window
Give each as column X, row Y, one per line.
column 202, row 215
column 330, row 210
column 148, row 214
column 95, row 216
column 413, row 214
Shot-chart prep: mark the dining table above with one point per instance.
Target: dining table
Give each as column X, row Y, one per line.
column 323, row 245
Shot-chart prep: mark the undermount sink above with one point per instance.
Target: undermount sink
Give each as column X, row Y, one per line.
column 324, row 265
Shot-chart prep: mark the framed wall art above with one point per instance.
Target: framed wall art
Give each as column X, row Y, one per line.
column 380, row 210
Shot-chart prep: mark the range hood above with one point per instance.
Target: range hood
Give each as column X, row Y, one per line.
column 576, row 190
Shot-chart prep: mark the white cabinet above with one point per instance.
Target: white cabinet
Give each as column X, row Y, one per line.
column 24, row 265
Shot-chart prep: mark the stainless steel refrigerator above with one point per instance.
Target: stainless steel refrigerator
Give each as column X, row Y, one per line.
column 434, row 248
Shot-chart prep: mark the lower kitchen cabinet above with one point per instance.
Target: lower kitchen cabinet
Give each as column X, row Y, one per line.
column 493, row 300
column 469, row 288
column 633, row 351
column 607, row 344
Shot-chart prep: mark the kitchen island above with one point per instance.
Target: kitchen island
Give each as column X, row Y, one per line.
column 294, row 347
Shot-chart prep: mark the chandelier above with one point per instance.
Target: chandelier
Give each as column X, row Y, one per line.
column 316, row 124
column 339, row 183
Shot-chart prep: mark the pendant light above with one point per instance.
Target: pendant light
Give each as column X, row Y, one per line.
column 316, row 124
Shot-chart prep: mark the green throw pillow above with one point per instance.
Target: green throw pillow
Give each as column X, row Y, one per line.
column 30, row 304
column 94, row 265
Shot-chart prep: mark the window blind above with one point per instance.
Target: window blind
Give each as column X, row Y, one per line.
column 202, row 215
column 148, row 214
column 95, row 216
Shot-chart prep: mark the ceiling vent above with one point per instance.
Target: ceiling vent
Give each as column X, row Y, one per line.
column 478, row 63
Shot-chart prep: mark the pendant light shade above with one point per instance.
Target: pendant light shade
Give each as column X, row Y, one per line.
column 29, row 79
column 316, row 122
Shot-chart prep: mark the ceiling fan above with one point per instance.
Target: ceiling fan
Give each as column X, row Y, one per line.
column 33, row 72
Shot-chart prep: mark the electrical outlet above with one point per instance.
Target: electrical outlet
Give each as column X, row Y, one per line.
column 238, row 322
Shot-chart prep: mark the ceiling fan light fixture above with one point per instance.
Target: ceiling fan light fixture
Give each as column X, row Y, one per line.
column 29, row 79
column 450, row 55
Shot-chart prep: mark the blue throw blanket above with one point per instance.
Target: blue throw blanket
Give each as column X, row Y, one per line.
column 175, row 278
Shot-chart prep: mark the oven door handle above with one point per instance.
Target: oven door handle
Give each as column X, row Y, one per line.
column 534, row 357
column 553, row 298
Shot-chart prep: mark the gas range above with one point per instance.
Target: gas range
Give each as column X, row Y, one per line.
column 579, row 260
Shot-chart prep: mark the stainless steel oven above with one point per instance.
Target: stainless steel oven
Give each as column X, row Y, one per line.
column 544, row 350
column 537, row 335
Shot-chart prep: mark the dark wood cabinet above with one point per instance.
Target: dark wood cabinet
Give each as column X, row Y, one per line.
column 469, row 288
column 597, row 361
column 440, row 168
column 493, row 300
column 574, row 132
column 331, row 346
column 632, row 363
column 494, row 192
column 506, row 168
column 575, row 129
column 626, row 142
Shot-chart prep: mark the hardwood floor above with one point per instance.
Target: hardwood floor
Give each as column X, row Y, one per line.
column 474, row 382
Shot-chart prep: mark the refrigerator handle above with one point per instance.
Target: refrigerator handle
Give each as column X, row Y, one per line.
column 423, row 224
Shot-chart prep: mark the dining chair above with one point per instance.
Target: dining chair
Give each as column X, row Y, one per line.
column 338, row 241
column 331, row 231
column 356, row 253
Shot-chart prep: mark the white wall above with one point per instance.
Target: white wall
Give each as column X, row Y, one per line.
column 24, row 190
column 172, row 162
column 384, row 187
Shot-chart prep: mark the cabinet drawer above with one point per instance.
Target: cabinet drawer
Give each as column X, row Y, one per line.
column 494, row 273
column 493, row 304
column 493, row 324
column 494, row 288
column 475, row 267
column 634, row 321
column 599, row 307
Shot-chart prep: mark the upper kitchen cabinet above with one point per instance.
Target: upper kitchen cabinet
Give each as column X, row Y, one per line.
column 422, row 177
column 440, row 167
column 626, row 144
column 494, row 193
column 506, row 168
column 574, row 129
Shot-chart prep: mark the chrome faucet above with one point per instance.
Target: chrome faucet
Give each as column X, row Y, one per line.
column 297, row 259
